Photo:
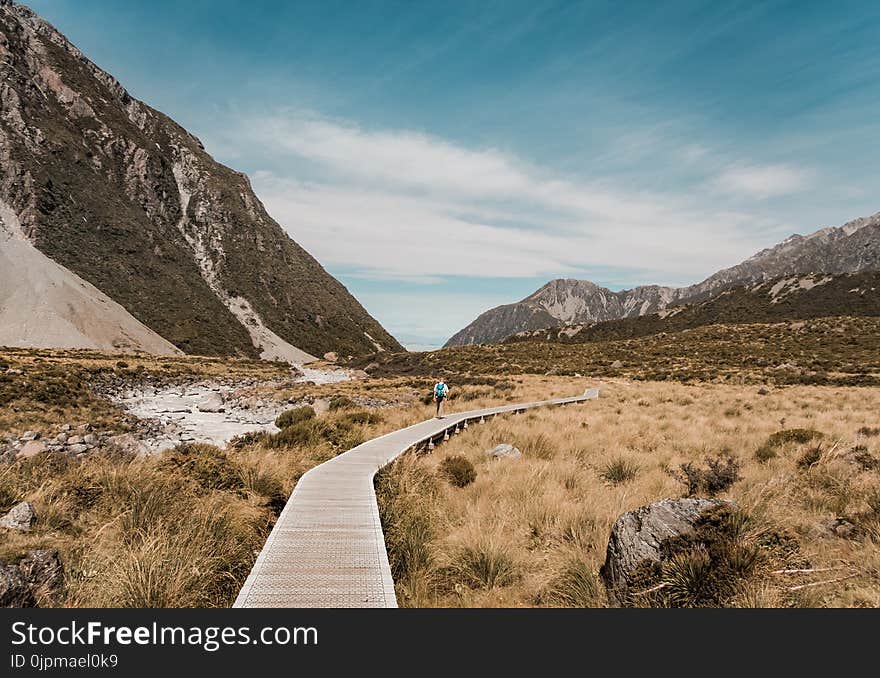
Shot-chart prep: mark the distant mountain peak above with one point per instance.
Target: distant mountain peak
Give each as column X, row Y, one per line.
column 850, row 248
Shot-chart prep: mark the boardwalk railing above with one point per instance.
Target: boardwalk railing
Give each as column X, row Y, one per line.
column 327, row 548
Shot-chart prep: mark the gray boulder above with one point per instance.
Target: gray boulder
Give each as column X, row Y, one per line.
column 637, row 536
column 20, row 517
column 504, row 451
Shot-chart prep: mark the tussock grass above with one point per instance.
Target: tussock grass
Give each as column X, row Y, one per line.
column 177, row 530
column 294, row 416
column 619, row 471
column 550, row 514
column 458, row 471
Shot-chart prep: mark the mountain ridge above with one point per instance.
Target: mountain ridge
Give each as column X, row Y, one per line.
column 850, row 248
column 131, row 202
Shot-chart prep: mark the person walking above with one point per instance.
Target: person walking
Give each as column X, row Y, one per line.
column 441, row 392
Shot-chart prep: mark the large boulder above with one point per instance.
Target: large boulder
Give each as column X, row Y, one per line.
column 20, row 517
column 637, row 538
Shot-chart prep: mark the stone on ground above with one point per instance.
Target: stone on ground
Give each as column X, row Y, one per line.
column 504, row 450
column 31, row 449
column 20, row 517
column 14, row 591
column 637, row 536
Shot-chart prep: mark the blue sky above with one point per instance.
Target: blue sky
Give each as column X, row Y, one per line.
column 441, row 158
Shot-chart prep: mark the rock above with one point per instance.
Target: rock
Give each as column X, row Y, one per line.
column 79, row 448
column 90, row 439
column 837, row 527
column 359, row 374
column 636, row 538
column 331, row 357
column 30, row 435
column 321, row 405
column 66, row 427
column 126, row 442
column 20, row 517
column 61, row 438
column 372, row 366
column 42, row 571
column 75, row 440
column 616, row 365
column 84, row 428
column 212, row 402
column 31, row 449
column 14, row 590
column 504, row 450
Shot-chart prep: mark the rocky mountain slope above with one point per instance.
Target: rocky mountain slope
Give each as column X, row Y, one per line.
column 791, row 298
column 850, row 248
column 127, row 200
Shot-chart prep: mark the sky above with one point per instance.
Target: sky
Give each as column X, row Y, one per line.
column 441, row 158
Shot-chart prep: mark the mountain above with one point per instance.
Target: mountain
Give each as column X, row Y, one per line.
column 790, row 298
column 126, row 200
column 43, row 304
column 850, row 248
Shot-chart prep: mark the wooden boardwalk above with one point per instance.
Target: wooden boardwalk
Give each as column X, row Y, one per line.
column 327, row 548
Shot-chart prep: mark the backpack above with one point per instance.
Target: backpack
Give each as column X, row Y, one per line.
column 440, row 390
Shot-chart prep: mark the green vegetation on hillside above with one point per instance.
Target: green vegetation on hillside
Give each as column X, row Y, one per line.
column 844, row 351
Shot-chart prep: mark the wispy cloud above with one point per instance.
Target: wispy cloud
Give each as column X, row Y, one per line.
column 762, row 181
column 406, row 205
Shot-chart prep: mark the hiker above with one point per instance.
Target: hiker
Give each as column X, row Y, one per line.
column 441, row 392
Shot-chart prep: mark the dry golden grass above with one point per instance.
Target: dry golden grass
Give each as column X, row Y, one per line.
column 177, row 530
column 533, row 531
column 184, row 529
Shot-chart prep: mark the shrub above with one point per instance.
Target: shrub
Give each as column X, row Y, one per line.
column 294, row 416
column 705, row 568
column 248, row 439
column 341, row 432
column 765, row 453
column 793, row 435
column 720, row 473
column 869, row 431
column 865, row 460
column 619, row 471
column 810, row 457
column 205, row 464
column 484, row 565
column 341, row 402
column 458, row 470
column 361, row 417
